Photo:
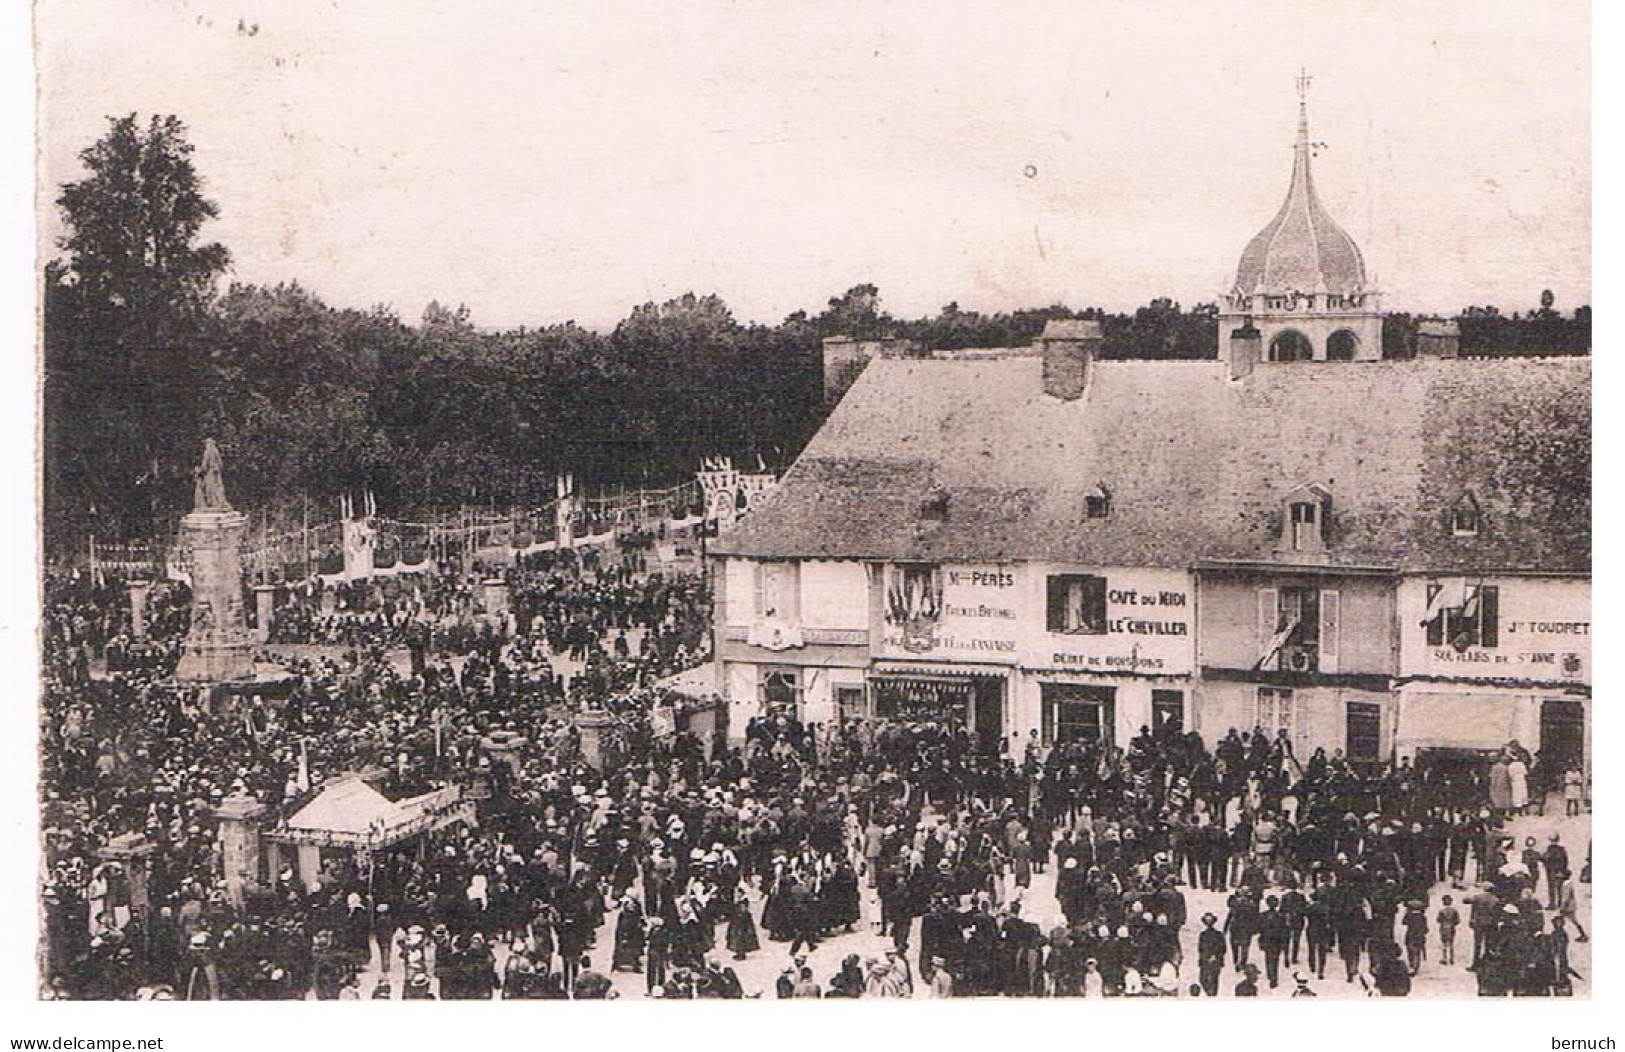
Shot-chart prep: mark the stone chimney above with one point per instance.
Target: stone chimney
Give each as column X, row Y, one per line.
column 1246, row 350
column 1069, row 347
column 846, row 356
column 1438, row 339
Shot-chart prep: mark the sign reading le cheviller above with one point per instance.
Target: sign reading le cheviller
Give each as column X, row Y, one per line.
column 1147, row 627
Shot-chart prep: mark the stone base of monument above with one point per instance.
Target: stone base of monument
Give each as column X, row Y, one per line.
column 215, row 662
column 218, row 648
column 591, row 727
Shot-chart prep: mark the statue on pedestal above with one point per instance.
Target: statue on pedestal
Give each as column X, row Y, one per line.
column 218, row 647
column 209, row 491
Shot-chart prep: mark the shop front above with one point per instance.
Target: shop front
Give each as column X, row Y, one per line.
column 1550, row 722
column 1491, row 660
column 1064, row 706
column 955, row 696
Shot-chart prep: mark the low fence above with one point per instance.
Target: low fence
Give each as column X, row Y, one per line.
column 354, row 547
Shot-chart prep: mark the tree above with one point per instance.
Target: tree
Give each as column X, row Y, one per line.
column 134, row 220
column 124, row 324
column 855, row 313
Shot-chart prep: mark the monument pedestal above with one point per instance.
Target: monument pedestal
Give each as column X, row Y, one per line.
column 218, row 647
column 504, row 748
column 264, row 610
column 591, row 727
column 138, row 608
column 134, row 852
column 495, row 595
column 239, row 844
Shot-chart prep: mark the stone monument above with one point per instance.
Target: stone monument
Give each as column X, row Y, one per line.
column 138, row 608
column 240, row 849
column 218, row 646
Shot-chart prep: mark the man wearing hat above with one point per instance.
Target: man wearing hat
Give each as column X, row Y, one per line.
column 1556, row 864
column 1415, row 924
column 1210, row 955
column 1301, row 989
column 417, row 988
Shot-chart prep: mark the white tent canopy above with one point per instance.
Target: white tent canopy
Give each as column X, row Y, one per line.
column 350, row 811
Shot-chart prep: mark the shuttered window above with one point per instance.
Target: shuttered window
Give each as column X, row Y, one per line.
column 1331, row 613
column 1489, row 614
column 1076, row 604
column 1275, row 711
column 778, row 591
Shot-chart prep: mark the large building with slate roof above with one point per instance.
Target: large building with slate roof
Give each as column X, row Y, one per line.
column 1374, row 556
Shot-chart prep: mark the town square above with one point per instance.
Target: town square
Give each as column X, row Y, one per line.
column 1070, row 643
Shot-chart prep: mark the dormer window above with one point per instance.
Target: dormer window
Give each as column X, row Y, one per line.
column 1464, row 517
column 1097, row 503
column 934, row 508
column 1303, row 524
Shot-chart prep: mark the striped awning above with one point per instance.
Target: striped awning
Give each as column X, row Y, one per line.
column 939, row 673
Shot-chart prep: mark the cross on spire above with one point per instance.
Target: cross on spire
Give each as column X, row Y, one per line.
column 1304, row 80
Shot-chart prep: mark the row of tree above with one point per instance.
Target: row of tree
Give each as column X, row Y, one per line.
column 144, row 356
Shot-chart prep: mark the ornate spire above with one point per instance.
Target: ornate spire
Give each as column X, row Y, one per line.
column 1302, row 249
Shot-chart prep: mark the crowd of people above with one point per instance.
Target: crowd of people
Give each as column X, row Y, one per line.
column 672, row 862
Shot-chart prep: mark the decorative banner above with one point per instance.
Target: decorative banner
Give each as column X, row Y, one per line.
column 959, row 611
column 729, row 493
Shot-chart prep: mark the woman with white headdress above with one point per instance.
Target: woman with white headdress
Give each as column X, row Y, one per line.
column 1518, row 784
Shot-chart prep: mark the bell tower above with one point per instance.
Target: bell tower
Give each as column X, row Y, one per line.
column 1301, row 282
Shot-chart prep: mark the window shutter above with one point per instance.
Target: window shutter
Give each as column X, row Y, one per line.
column 1489, row 601
column 1055, row 598
column 1435, row 626
column 760, row 607
column 1330, row 616
column 790, row 592
column 1269, row 616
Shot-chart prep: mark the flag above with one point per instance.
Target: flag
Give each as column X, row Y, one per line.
column 1452, row 595
column 1277, row 641
column 1469, row 609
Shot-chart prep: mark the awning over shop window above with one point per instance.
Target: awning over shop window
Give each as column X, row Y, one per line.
column 939, row 673
column 1456, row 721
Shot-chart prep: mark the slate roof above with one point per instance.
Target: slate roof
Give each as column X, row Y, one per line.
column 1196, row 464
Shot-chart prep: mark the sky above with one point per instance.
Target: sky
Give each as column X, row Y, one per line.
column 544, row 162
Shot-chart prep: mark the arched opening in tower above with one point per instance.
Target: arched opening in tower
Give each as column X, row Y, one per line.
column 1342, row 346
column 1291, row 346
